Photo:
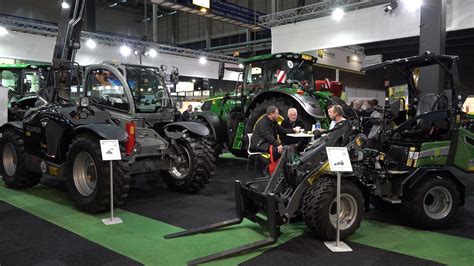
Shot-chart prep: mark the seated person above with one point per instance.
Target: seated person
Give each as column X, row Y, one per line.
column 335, row 113
column 266, row 131
column 291, row 122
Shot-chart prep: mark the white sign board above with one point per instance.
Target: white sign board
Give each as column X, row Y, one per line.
column 203, row 3
column 338, row 58
column 339, row 160
column 110, row 150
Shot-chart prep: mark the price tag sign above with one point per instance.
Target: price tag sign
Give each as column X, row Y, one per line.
column 110, row 150
column 339, row 160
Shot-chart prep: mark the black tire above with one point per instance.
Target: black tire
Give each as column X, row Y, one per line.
column 320, row 200
column 214, row 144
column 85, row 149
column 197, row 168
column 419, row 204
column 12, row 146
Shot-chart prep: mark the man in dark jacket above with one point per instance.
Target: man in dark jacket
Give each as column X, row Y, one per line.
column 266, row 133
column 186, row 116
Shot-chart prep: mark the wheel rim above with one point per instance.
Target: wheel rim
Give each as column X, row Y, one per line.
column 348, row 214
column 85, row 174
column 438, row 202
column 9, row 159
column 181, row 164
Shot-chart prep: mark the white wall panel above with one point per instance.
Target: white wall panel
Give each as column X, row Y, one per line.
column 39, row 48
column 363, row 26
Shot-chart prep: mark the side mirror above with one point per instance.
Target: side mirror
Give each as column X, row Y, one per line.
column 221, row 70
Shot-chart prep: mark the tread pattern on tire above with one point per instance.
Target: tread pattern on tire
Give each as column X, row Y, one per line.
column 22, row 177
column 202, row 167
column 101, row 201
column 316, row 210
column 412, row 208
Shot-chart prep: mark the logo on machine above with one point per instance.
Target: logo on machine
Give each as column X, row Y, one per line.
column 33, row 129
column 43, row 166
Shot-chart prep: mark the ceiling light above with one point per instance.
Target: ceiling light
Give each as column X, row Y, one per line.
column 91, row 44
column 337, row 14
column 152, row 53
column 125, row 50
column 202, row 60
column 412, row 5
column 241, row 65
column 65, row 5
column 3, row 31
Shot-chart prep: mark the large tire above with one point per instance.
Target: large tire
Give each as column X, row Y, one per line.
column 319, row 208
column 431, row 203
column 213, row 142
column 13, row 162
column 88, row 176
column 192, row 165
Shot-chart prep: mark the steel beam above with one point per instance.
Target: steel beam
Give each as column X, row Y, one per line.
column 433, row 39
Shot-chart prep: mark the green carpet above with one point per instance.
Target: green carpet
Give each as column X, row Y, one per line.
column 442, row 248
column 141, row 238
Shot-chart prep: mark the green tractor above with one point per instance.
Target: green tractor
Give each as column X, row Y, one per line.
column 284, row 80
column 23, row 82
column 423, row 162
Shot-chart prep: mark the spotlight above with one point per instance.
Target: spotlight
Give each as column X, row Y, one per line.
column 91, row 44
column 202, row 60
column 3, row 31
column 193, row 80
column 412, row 5
column 337, row 14
column 65, row 5
column 390, row 7
column 241, row 65
column 125, row 50
column 203, row 10
column 152, row 53
column 136, row 52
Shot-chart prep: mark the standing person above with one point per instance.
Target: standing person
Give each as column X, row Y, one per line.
column 266, row 133
column 291, row 122
column 357, row 104
column 187, row 114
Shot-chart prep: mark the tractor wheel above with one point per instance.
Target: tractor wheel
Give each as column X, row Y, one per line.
column 320, row 208
column 13, row 162
column 431, row 203
column 283, row 104
column 88, row 176
column 215, row 145
column 191, row 164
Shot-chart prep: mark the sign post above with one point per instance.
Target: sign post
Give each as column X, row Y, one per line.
column 110, row 150
column 339, row 162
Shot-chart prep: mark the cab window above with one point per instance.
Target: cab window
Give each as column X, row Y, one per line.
column 104, row 88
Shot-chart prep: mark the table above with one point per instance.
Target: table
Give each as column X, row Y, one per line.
column 300, row 135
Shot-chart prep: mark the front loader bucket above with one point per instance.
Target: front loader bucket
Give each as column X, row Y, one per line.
column 248, row 203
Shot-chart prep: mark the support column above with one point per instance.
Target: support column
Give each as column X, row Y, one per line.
column 90, row 25
column 208, row 33
column 174, row 30
column 433, row 39
column 145, row 19
column 155, row 23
